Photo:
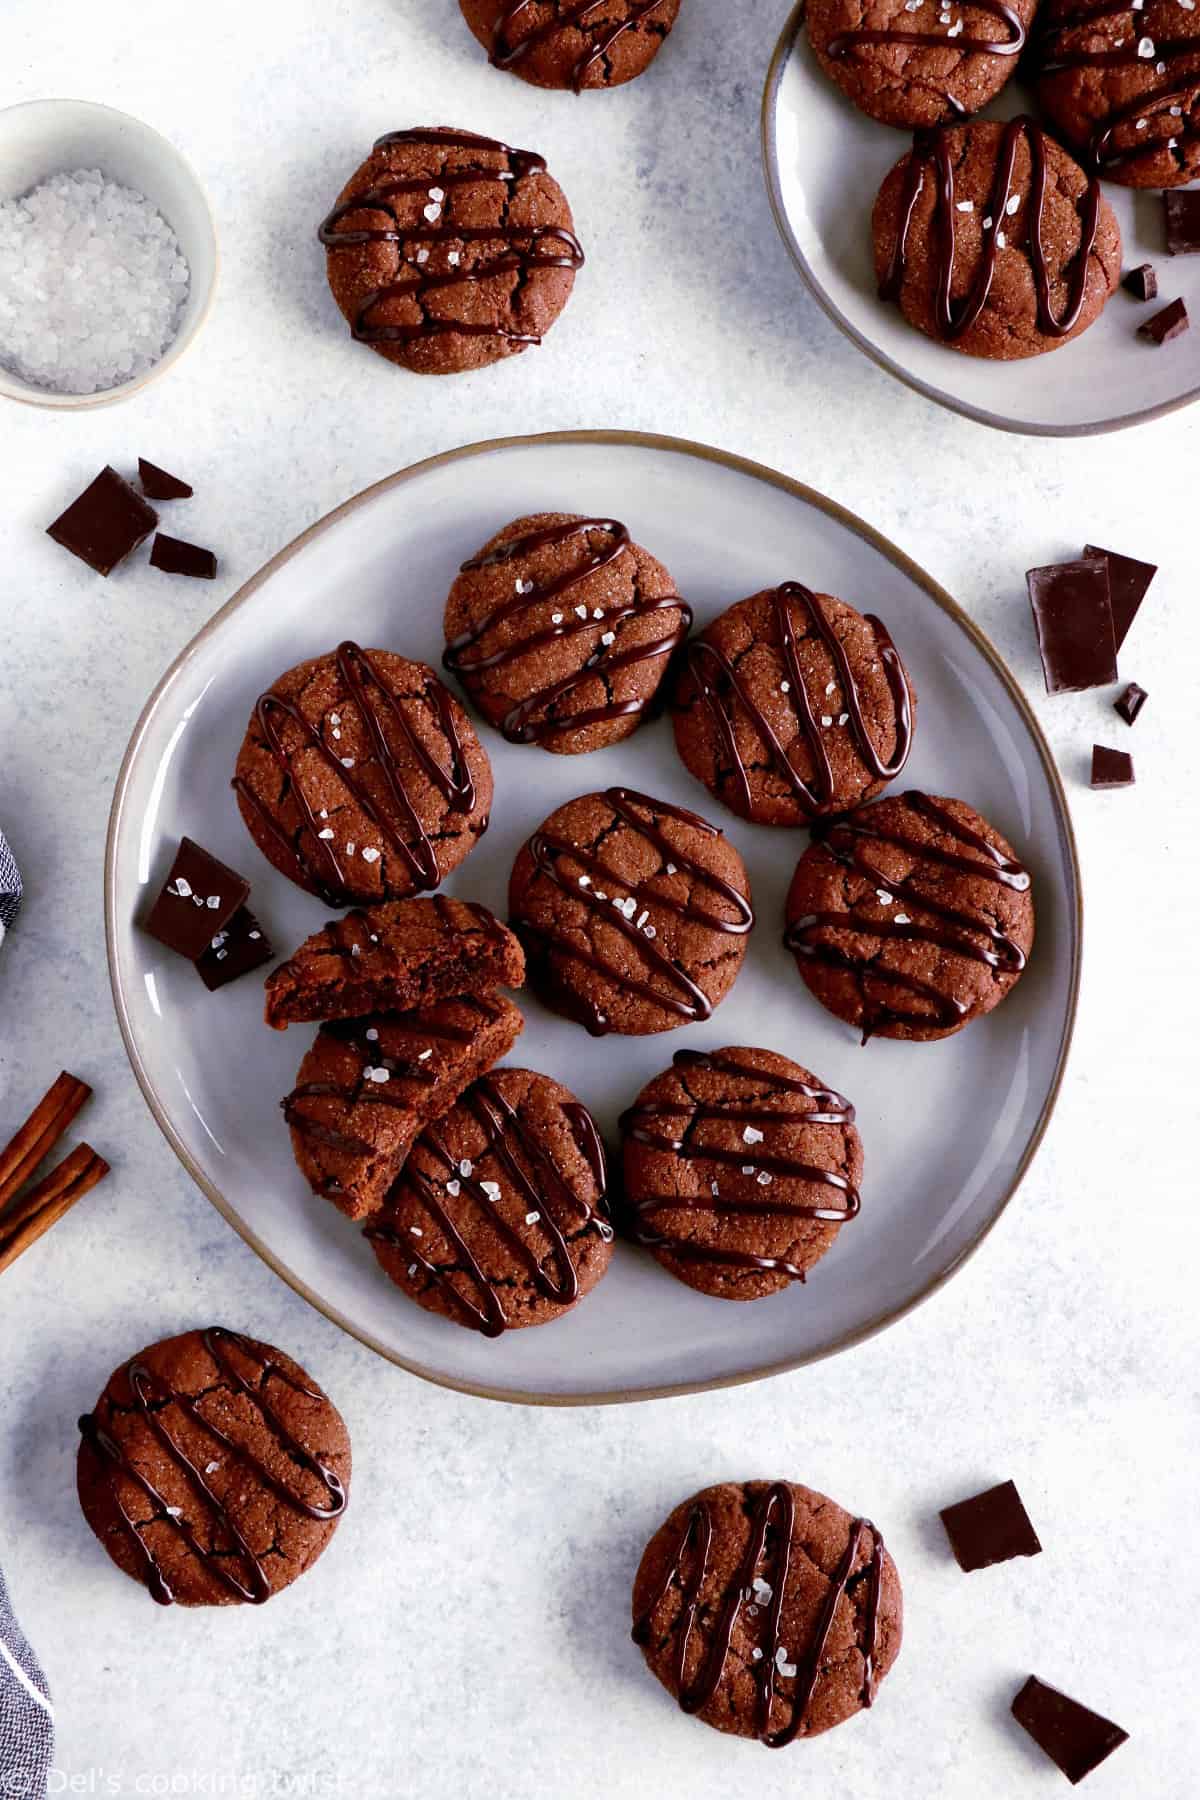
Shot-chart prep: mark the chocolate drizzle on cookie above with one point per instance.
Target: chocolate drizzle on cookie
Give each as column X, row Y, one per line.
column 152, row 1396
column 320, row 869
column 634, row 914
column 675, row 1126
column 772, row 1522
column 973, row 934
column 1056, row 52
column 524, row 248
column 846, row 42
column 723, row 691
column 533, row 720
column 955, row 317
column 541, row 1187
column 506, row 55
column 429, row 1024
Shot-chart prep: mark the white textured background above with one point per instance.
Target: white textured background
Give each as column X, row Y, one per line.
column 466, row 1634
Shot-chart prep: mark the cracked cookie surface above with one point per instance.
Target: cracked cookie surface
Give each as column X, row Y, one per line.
column 740, row 1168
column 213, row 1469
column 361, row 778
column 499, row 1217
column 910, row 918
column 944, row 76
column 561, row 630
column 577, row 44
column 768, row 1610
column 634, row 913
column 792, row 704
column 461, row 253
column 1015, row 318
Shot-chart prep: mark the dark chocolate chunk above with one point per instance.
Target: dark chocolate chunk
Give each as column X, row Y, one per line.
column 1182, row 207
column 1130, row 703
column 159, row 484
column 176, row 557
column 1111, row 768
column 992, row 1527
column 240, row 946
column 108, row 520
column 1128, row 581
column 1074, row 1738
column 1170, row 323
column 1073, row 615
column 199, row 899
column 1141, row 282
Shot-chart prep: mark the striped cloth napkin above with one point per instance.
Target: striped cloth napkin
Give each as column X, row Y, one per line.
column 10, row 887
column 26, row 1716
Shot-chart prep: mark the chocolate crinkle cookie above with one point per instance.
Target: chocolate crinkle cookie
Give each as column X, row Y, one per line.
column 499, row 1216
column 767, row 1610
column 791, row 705
column 1122, row 85
column 578, row 44
column 213, row 1469
column 917, row 63
column 992, row 239
column 910, row 918
column 447, row 251
column 368, row 1087
column 561, row 630
column 634, row 913
column 361, row 778
column 740, row 1168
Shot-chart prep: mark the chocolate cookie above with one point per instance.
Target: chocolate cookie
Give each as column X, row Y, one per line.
column 561, row 629
column 368, row 1086
column 393, row 958
column 910, row 918
column 791, row 705
column 448, row 251
column 768, row 1610
column 917, row 63
column 994, row 241
column 361, row 777
column 574, row 44
column 634, row 913
column 1122, row 85
column 740, row 1169
column 213, row 1469
column 498, row 1218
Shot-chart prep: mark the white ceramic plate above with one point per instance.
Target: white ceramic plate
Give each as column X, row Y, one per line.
column 825, row 162
column 948, row 1128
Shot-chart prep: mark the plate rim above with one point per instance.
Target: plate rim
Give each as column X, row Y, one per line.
column 942, row 397
column 797, row 490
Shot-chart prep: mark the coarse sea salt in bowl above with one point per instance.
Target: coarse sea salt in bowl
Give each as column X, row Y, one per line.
column 107, row 275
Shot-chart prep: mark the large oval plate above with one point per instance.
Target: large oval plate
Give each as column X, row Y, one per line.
column 948, row 1128
column 824, row 164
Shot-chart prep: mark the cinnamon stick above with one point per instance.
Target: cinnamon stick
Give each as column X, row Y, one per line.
column 45, row 1204
column 39, row 1134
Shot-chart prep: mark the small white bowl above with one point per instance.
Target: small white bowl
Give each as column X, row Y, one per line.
column 47, row 137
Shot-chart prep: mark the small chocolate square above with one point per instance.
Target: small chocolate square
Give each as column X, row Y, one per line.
column 992, row 1527
column 1141, row 282
column 1130, row 703
column 1111, row 768
column 1182, row 208
column 160, row 485
column 108, row 520
column 175, row 557
column 1128, row 580
column 199, row 899
column 1073, row 1737
column 1170, row 323
column 1073, row 615
column 242, row 945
